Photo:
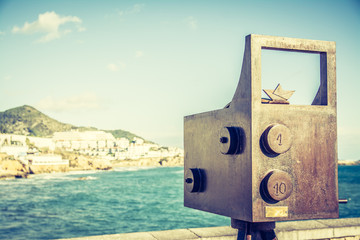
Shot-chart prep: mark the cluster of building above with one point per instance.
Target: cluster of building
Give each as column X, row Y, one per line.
column 92, row 143
column 105, row 145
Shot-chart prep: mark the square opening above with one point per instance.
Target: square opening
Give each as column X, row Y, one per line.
column 295, row 71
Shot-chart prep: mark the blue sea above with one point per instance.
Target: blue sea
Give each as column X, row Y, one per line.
column 75, row 204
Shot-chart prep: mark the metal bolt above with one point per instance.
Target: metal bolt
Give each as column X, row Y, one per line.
column 224, row 139
column 188, row 180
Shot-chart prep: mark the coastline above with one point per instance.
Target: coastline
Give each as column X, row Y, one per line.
column 14, row 169
column 348, row 162
column 150, row 162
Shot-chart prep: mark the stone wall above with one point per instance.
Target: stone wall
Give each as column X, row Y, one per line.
column 36, row 169
column 327, row 229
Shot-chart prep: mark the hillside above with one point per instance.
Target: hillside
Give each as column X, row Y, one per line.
column 27, row 120
column 123, row 134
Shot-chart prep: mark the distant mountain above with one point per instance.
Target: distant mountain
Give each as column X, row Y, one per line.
column 27, row 120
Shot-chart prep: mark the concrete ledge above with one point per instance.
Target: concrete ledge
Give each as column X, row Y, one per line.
column 319, row 229
column 344, row 228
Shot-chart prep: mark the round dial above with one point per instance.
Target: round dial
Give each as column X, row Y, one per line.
column 277, row 139
column 277, row 185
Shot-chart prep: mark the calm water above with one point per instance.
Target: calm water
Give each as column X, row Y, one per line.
column 108, row 202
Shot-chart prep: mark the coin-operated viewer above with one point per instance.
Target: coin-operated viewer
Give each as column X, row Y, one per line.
column 265, row 160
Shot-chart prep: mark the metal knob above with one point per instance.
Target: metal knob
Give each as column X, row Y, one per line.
column 276, row 186
column 230, row 140
column 193, row 180
column 277, row 139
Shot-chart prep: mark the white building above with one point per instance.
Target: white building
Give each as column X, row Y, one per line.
column 37, row 160
column 12, row 139
column 75, row 140
column 92, row 143
column 21, row 140
column 42, row 142
column 16, row 151
column 122, row 143
column 138, row 141
column 14, row 145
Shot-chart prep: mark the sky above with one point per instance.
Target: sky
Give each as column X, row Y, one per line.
column 142, row 66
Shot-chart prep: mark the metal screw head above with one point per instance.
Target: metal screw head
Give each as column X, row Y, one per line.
column 189, row 180
column 224, row 139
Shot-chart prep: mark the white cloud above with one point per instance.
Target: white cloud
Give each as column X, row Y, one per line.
column 49, row 23
column 81, row 102
column 114, row 67
column 8, row 78
column 2, row 33
column 139, row 54
column 120, row 13
column 81, row 29
column 67, row 31
column 137, row 8
column 192, row 22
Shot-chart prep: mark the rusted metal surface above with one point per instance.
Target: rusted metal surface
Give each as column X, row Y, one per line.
column 236, row 148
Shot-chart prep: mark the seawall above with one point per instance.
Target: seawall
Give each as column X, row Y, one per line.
column 329, row 229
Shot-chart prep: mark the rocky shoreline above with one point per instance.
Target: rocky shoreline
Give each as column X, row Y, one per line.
column 348, row 162
column 151, row 162
column 11, row 169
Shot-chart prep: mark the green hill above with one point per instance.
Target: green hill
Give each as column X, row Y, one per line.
column 27, row 120
column 122, row 134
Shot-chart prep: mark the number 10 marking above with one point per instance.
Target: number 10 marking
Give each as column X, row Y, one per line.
column 280, row 188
